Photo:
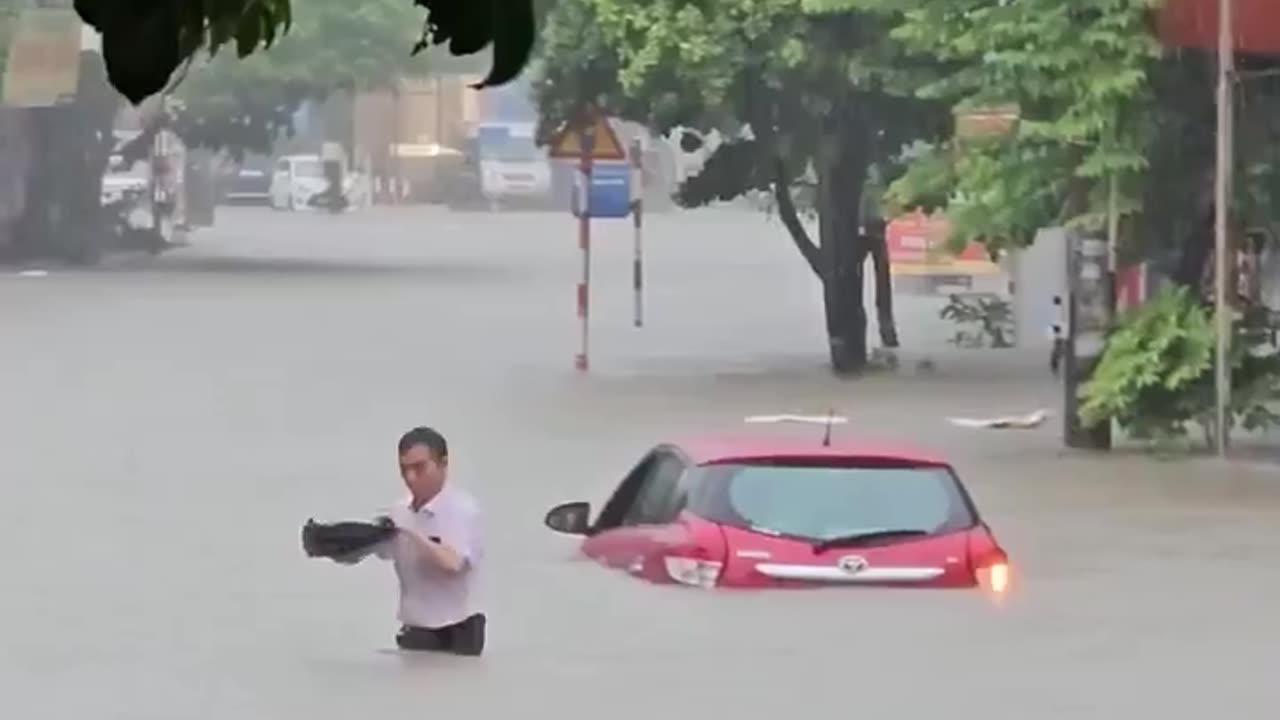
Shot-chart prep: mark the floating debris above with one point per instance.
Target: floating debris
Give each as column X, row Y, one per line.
column 1010, row 422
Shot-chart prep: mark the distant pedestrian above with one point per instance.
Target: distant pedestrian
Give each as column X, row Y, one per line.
column 1057, row 336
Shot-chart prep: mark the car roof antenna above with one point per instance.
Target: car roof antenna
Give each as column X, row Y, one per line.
column 831, row 419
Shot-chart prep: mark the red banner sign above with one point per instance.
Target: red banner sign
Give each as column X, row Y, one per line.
column 918, row 245
column 1194, row 23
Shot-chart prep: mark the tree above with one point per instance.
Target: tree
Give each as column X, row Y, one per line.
column 333, row 45
column 1078, row 77
column 804, row 95
column 146, row 41
column 1098, row 98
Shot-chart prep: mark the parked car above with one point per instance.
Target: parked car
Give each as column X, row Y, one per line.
column 299, row 182
column 248, row 183
column 295, row 180
column 752, row 510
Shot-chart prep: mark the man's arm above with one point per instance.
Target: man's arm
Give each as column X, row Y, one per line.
column 435, row 551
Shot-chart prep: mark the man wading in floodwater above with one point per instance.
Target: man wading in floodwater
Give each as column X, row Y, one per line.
column 436, row 553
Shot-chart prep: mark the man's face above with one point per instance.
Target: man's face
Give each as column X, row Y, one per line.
column 423, row 473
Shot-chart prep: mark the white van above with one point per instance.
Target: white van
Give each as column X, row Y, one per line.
column 512, row 166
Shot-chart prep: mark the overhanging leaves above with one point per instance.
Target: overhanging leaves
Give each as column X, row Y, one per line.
column 146, row 41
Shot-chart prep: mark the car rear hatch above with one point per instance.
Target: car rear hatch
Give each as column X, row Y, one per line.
column 760, row 558
column 840, row 521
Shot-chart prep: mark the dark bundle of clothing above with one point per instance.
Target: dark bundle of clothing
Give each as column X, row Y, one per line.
column 344, row 540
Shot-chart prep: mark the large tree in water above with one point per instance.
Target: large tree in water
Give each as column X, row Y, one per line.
column 807, row 101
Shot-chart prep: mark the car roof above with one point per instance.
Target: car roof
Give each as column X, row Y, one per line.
column 746, row 446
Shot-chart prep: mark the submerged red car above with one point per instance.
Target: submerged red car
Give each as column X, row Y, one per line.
column 770, row 511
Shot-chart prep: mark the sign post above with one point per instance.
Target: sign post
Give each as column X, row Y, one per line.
column 582, row 362
column 637, row 215
column 588, row 139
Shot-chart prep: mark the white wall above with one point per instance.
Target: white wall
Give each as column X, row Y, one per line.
column 1039, row 273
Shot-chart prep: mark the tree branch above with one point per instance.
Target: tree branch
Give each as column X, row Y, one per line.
column 787, row 211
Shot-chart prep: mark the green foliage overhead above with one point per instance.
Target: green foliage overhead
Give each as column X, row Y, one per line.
column 802, row 99
column 1079, row 75
column 333, row 45
column 789, row 70
column 146, row 41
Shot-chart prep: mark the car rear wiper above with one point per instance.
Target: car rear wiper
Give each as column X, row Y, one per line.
column 864, row 537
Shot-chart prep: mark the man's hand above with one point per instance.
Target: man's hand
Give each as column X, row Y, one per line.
column 433, row 550
column 402, row 517
column 440, row 555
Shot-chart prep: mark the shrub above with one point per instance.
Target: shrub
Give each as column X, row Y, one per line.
column 988, row 317
column 1156, row 377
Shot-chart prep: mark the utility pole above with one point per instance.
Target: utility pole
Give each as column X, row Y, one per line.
column 1222, row 255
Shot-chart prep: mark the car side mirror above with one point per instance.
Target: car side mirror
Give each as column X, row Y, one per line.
column 570, row 518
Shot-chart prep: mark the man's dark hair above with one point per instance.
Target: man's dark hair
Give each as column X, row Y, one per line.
column 428, row 438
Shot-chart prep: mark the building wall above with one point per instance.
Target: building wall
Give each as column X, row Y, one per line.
column 14, row 160
column 422, row 111
column 1039, row 273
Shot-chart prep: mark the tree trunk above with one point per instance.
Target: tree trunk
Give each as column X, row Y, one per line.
column 876, row 239
column 839, row 258
column 791, row 220
column 841, row 178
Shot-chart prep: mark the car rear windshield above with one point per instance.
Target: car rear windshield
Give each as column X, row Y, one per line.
column 820, row 502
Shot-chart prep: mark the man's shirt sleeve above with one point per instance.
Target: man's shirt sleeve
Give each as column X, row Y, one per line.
column 461, row 531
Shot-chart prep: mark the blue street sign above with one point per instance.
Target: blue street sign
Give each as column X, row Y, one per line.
column 610, row 195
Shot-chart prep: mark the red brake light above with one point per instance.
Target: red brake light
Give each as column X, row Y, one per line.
column 992, row 572
column 997, row 578
column 989, row 561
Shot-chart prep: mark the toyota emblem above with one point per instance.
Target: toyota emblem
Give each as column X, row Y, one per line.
column 852, row 564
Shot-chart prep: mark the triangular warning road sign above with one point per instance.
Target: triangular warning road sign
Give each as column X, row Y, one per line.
column 605, row 144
